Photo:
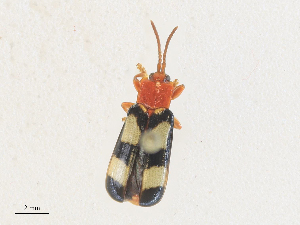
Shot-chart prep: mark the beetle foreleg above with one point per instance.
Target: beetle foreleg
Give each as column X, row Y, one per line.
column 177, row 91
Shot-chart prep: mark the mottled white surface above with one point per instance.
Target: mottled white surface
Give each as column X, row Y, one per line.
column 66, row 66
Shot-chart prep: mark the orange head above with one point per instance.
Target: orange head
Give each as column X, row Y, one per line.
column 156, row 90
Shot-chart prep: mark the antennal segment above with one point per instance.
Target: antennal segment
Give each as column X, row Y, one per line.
column 159, row 48
column 166, row 48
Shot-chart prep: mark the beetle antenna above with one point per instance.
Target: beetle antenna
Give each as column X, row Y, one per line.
column 159, row 48
column 166, row 48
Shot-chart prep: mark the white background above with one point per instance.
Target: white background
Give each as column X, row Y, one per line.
column 66, row 66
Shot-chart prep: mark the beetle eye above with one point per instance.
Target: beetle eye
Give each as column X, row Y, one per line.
column 167, row 78
column 150, row 76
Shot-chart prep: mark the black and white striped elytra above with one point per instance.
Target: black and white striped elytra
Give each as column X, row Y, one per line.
column 139, row 166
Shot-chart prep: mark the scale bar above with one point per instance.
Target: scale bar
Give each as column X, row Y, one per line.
column 31, row 213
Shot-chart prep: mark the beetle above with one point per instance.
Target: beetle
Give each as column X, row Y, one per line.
column 139, row 166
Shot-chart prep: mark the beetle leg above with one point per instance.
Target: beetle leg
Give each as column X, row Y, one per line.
column 177, row 91
column 177, row 124
column 143, row 75
column 137, row 82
